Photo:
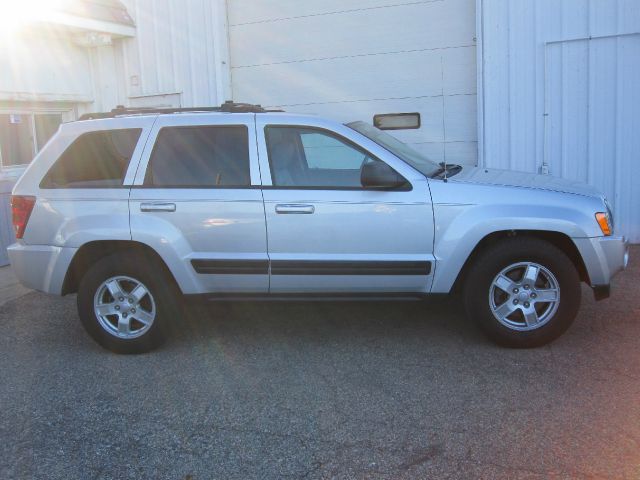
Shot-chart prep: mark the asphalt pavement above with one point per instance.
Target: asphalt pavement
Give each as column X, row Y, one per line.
column 322, row 390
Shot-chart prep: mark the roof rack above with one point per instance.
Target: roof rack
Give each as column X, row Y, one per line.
column 227, row 107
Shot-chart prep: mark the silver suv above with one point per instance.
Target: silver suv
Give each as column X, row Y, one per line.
column 133, row 209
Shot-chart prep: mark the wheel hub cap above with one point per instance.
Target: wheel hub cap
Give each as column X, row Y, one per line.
column 524, row 296
column 124, row 307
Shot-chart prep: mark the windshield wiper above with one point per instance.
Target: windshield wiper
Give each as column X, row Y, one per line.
column 446, row 170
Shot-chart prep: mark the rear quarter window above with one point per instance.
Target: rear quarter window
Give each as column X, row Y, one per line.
column 94, row 160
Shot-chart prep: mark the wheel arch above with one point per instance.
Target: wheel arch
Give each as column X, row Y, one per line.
column 89, row 253
column 558, row 239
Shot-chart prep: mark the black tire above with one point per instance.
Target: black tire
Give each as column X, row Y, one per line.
column 503, row 255
column 163, row 299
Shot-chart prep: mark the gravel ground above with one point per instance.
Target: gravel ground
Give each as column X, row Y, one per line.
column 322, row 390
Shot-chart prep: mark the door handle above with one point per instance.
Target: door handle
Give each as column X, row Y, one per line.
column 157, row 207
column 295, row 209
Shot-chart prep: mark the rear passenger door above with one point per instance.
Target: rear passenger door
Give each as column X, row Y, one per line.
column 196, row 201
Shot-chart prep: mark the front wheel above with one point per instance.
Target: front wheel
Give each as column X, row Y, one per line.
column 523, row 292
column 125, row 304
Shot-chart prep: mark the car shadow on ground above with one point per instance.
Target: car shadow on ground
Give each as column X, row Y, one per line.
column 439, row 318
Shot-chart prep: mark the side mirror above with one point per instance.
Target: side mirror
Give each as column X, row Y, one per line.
column 378, row 174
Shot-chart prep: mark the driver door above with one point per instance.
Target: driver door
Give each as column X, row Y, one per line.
column 325, row 232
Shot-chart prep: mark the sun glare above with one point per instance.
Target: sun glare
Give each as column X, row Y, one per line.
column 15, row 14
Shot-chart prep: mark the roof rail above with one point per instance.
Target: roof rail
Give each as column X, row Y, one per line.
column 227, row 107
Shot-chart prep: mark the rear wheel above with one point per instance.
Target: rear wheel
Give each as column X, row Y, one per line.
column 523, row 292
column 125, row 304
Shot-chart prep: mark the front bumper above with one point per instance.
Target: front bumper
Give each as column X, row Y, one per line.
column 41, row 267
column 604, row 257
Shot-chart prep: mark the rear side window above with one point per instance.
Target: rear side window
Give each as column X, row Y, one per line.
column 200, row 157
column 94, row 160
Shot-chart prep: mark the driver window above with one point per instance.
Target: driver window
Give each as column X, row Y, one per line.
column 306, row 157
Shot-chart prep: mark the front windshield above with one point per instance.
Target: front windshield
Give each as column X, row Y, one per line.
column 395, row 146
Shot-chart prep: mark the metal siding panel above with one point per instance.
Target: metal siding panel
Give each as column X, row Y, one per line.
column 627, row 198
column 554, row 100
column 574, row 113
column 147, row 57
column 628, row 16
column 465, row 153
column 496, row 84
column 457, row 64
column 197, row 80
column 575, row 18
column 458, row 109
column 61, row 69
column 249, row 11
column 602, row 115
column 105, row 80
column 603, row 17
column 176, row 52
column 545, row 26
column 163, row 33
column 359, row 32
column 430, row 109
column 522, row 74
column 342, row 79
column 348, row 62
column 575, row 97
column 590, row 93
column 210, row 24
column 548, row 90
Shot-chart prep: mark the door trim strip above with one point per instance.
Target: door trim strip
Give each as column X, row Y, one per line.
column 231, row 267
column 310, row 267
column 331, row 267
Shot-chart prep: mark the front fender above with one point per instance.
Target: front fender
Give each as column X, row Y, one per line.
column 460, row 227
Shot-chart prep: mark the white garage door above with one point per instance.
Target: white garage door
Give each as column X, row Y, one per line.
column 351, row 60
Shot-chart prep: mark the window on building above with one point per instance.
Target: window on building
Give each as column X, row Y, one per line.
column 94, row 160
column 45, row 125
column 22, row 136
column 306, row 157
column 203, row 156
column 16, row 140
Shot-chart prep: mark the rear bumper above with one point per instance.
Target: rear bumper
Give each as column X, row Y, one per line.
column 41, row 267
column 604, row 258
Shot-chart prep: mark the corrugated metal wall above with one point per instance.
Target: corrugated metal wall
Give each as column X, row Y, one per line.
column 561, row 84
column 351, row 60
column 179, row 57
column 43, row 66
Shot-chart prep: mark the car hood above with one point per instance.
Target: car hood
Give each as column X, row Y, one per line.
column 488, row 176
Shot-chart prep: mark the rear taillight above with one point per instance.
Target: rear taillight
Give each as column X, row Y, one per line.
column 21, row 207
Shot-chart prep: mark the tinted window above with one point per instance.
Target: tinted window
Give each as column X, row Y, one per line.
column 94, row 160
column 16, row 145
column 207, row 156
column 46, row 125
column 307, row 157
